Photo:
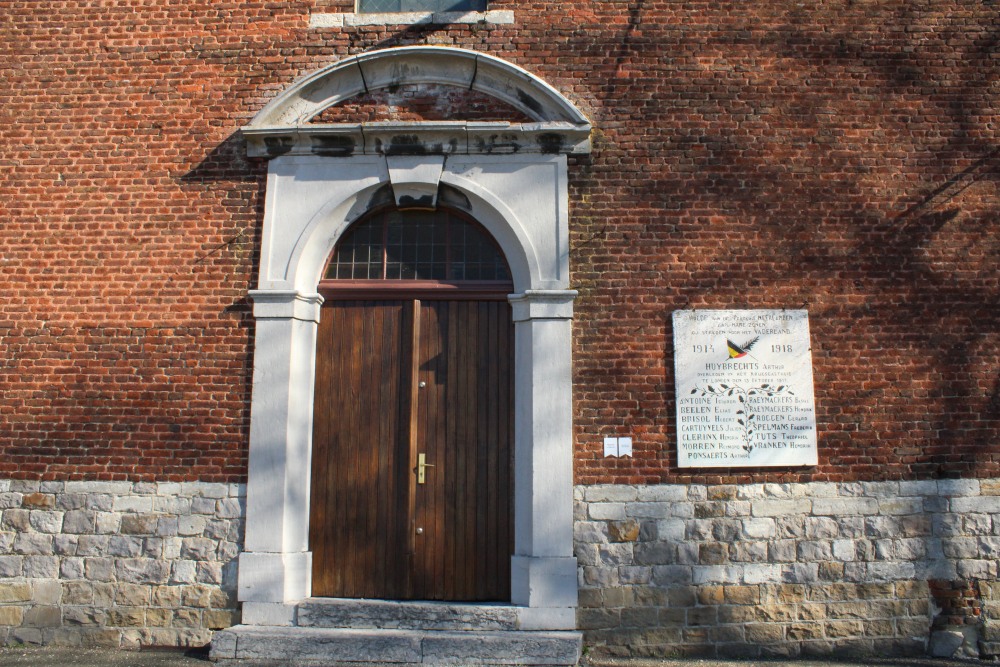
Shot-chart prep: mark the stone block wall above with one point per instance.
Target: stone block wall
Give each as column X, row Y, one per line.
column 789, row 569
column 118, row 563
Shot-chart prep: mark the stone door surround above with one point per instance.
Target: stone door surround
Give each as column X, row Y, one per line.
column 323, row 177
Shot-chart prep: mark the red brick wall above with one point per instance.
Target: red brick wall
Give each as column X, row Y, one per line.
column 837, row 156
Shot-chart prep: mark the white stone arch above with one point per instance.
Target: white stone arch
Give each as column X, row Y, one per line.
column 321, row 234
column 321, row 179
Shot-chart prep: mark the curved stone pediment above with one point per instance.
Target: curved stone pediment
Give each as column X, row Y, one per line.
column 283, row 126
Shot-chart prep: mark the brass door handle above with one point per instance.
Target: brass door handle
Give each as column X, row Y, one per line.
column 422, row 465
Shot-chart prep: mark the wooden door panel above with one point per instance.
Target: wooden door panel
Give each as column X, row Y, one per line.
column 360, row 472
column 465, row 430
column 394, row 379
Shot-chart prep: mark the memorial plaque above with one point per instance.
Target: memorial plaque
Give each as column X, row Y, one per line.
column 744, row 388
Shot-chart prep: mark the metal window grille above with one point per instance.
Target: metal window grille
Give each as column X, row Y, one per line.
column 390, row 6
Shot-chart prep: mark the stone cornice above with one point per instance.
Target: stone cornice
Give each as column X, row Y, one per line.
column 442, row 138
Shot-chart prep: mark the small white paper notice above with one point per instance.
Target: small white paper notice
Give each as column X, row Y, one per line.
column 618, row 446
column 624, row 446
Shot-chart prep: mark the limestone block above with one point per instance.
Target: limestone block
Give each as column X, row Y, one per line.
column 204, row 490
column 623, row 531
column 203, row 505
column 12, row 616
column 665, row 575
column 191, row 525
column 92, row 545
column 10, row 501
column 789, row 527
column 645, row 510
column 77, row 593
column 71, row 568
column 43, row 617
column 664, row 493
column 33, row 544
column 196, row 596
column 171, row 505
column 41, row 567
column 782, row 551
column 671, row 529
column 132, row 595
column 15, row 592
column 159, row 617
column 230, row 508
column 187, row 618
column 699, row 529
column 152, row 547
column 821, row 528
column 814, row 550
column 602, row 493
column 900, row 505
column 882, row 527
column 172, row 548
column 15, row 520
column 748, row 552
column 968, row 504
column 209, row 573
column 770, row 507
column 166, row 526
column 958, row 487
column 198, row 548
column 634, row 575
column 134, row 617
column 219, row 619
column 760, row 573
column 589, row 532
column 108, row 522
column 132, row 504
column 142, row 570
column 945, row 643
column 764, row 633
column 726, row 530
column 183, row 572
column 83, row 616
column 759, row 529
column 804, row 631
column 45, row 591
column 166, row 596
column 654, row 553
column 11, row 566
column 842, row 506
column 99, row 569
column 100, row 502
column 138, row 524
column 126, row 546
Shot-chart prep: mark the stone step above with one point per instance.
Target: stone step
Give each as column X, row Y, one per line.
column 302, row 647
column 405, row 615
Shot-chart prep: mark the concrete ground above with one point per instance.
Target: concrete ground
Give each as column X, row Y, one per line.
column 77, row 657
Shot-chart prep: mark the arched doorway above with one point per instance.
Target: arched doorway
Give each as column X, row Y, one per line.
column 411, row 494
column 511, row 178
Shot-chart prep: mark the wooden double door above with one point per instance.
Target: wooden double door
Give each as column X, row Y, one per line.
column 412, row 483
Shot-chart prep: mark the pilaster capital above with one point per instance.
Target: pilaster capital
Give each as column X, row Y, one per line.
column 285, row 305
column 543, row 305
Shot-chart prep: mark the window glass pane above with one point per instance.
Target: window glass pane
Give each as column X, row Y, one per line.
column 380, row 6
column 417, row 245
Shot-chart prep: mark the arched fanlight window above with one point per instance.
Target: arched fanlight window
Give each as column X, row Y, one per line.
column 417, row 246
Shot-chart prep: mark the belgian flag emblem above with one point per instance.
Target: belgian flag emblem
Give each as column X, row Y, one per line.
column 740, row 351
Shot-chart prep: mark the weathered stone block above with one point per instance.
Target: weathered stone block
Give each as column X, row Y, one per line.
column 159, row 617
column 134, row 617
column 99, row 569
column 187, row 618
column 139, row 524
column 623, row 531
column 125, row 546
column 142, row 571
column 804, row 631
column 842, row 629
column 71, row 568
column 770, row 507
column 590, row 532
column 15, row 592
column 132, row 595
column 46, row 521
column 759, row 529
column 12, row 616
column 713, row 553
column 77, row 593
column 83, row 616
column 765, row 633
column 79, row 522
column 41, row 567
column 842, row 506
column 43, row 617
column 742, row 594
column 33, row 544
